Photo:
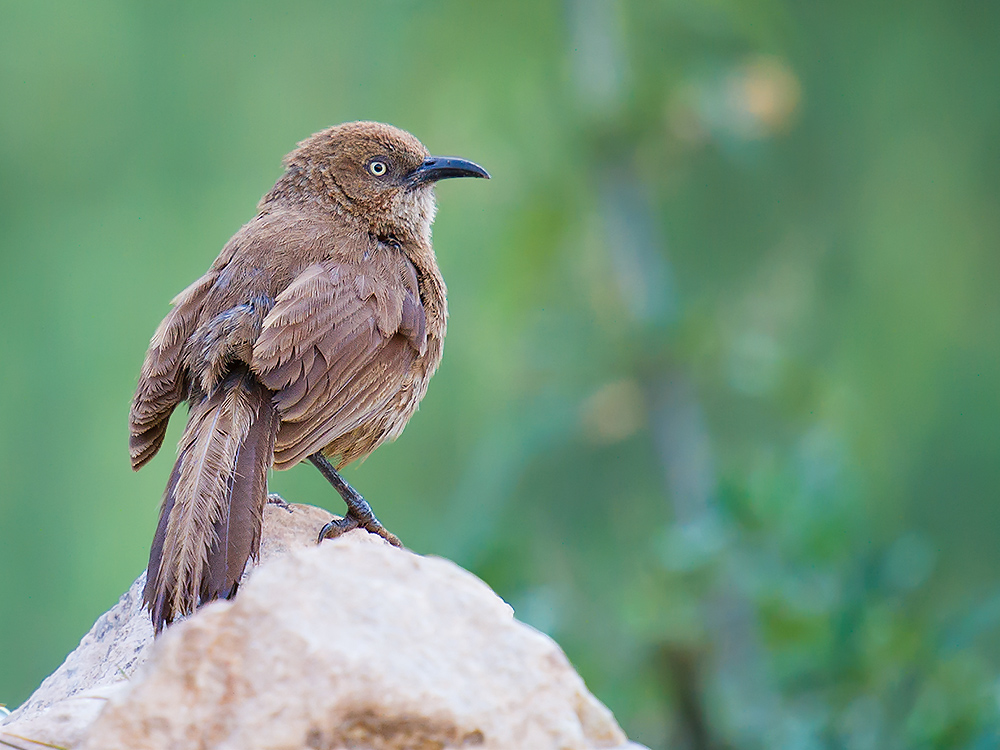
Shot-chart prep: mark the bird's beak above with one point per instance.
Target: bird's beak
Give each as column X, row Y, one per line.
column 437, row 168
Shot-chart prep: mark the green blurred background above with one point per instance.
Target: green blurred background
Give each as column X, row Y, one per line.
column 719, row 406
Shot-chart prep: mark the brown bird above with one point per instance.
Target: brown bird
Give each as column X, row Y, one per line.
column 314, row 334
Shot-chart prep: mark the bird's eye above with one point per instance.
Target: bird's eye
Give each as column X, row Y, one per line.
column 377, row 168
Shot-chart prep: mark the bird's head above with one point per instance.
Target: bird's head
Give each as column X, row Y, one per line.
column 375, row 172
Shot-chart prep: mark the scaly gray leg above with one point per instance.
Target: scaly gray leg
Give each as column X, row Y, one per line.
column 359, row 512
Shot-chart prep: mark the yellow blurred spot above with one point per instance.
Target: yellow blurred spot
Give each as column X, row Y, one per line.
column 768, row 92
column 614, row 412
column 758, row 98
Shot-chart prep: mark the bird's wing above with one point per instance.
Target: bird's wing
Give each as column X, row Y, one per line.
column 161, row 383
column 337, row 346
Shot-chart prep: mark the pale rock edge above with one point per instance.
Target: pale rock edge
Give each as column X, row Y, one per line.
column 350, row 642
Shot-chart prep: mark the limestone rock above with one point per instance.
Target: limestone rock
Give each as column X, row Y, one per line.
column 348, row 644
column 61, row 724
column 70, row 698
column 108, row 654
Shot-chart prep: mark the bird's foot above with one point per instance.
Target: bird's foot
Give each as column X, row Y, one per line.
column 339, row 526
column 359, row 512
column 275, row 499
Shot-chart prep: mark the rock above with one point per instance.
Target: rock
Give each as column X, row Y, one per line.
column 116, row 644
column 348, row 644
column 70, row 698
column 61, row 724
column 107, row 655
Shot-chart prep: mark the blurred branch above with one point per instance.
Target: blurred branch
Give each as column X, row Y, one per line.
column 680, row 671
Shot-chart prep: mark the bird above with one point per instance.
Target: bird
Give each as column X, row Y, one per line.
column 313, row 335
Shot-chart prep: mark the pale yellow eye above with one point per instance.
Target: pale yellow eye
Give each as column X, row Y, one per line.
column 377, row 168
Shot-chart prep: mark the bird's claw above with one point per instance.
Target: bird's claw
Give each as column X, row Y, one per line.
column 275, row 499
column 339, row 526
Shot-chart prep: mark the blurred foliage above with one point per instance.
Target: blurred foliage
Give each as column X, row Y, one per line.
column 719, row 405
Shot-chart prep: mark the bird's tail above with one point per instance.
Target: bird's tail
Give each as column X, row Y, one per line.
column 213, row 506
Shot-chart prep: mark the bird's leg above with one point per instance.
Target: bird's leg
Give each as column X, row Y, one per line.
column 359, row 512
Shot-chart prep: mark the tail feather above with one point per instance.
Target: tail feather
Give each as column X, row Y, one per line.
column 211, row 514
column 158, row 602
column 237, row 533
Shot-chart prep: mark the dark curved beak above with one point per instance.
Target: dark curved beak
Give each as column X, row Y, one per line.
column 437, row 168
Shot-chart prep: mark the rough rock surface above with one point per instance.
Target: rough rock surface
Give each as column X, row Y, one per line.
column 71, row 697
column 349, row 644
